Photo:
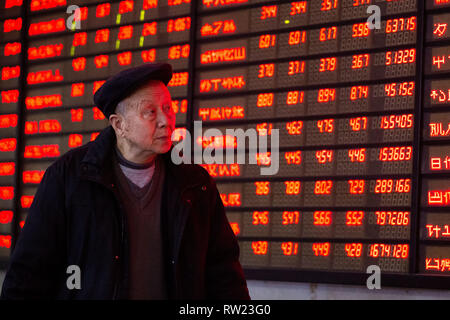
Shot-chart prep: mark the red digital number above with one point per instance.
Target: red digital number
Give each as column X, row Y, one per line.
column 290, row 217
column 321, row 249
column 354, row 218
column 356, row 186
column 292, row 187
column 353, row 249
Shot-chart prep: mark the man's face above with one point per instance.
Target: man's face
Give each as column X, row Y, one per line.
column 149, row 119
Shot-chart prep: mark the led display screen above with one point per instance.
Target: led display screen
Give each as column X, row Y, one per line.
column 361, row 107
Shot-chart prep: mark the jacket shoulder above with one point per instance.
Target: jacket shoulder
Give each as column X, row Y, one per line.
column 69, row 160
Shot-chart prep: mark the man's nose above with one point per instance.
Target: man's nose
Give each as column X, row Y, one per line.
column 161, row 118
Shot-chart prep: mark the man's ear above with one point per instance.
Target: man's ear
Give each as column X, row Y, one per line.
column 116, row 121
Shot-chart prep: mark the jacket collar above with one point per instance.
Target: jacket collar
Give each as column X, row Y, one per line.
column 98, row 162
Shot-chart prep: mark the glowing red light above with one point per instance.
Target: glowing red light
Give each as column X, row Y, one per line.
column 5, row 241
column 396, row 121
column 101, row 61
column 326, row 95
column 437, row 264
column 325, row 125
column 12, row 48
column 6, row 193
column 293, row 157
column 296, row 67
column 289, row 248
column 49, row 125
column 298, row 7
column 290, row 217
column 354, row 218
column 401, row 24
column 260, row 247
column 124, row 58
column 292, row 187
column 45, row 51
column 148, row 55
column 125, row 32
column 26, row 201
column 361, row 30
column 401, row 56
column 13, row 3
column 231, row 199
column 321, row 249
column 219, row 113
column 79, row 64
column 97, row 114
column 217, row 3
column 75, row 140
column 33, row 176
column 179, row 79
column 102, row 35
column 44, row 76
column 297, row 37
column 179, row 52
column 228, row 83
column 77, row 89
column 8, row 120
column 149, row 29
column 39, row 102
column 358, row 124
column 328, row 34
column 323, row 187
column 37, row 5
column 267, row 40
column 390, row 186
column 260, row 217
column 103, row 10
column 395, row 154
column 359, row 92
column 360, row 61
column 324, row 156
column 264, row 100
column 294, row 127
column 294, row 97
column 8, row 144
column 262, row 188
column 357, row 155
column 39, row 152
column 235, row 228
column 94, row 135
column 126, row 6
column 401, row 89
column 223, row 170
column 97, row 85
column 10, row 96
column 223, row 55
column 10, row 25
column 398, row 251
column 180, row 24
column 322, row 218
column 268, row 12
column 148, row 4
column 226, row 26
column 392, row 218
column 44, row 27
column 353, row 249
column 356, row 186
column 76, row 114
column 10, row 72
column 79, row 39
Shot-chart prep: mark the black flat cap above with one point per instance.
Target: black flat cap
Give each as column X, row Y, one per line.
column 121, row 85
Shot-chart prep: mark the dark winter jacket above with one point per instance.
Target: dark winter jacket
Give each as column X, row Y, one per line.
column 76, row 219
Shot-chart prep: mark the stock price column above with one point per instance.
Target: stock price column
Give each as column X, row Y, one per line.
column 434, row 253
column 11, row 50
column 69, row 60
column 342, row 96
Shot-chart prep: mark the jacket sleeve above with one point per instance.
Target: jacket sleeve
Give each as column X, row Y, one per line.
column 36, row 262
column 224, row 275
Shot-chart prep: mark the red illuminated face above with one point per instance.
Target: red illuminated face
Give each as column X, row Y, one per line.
column 148, row 120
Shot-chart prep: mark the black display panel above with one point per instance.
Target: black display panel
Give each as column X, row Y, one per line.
column 363, row 119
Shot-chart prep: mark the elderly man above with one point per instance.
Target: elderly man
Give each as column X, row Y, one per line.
column 135, row 225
